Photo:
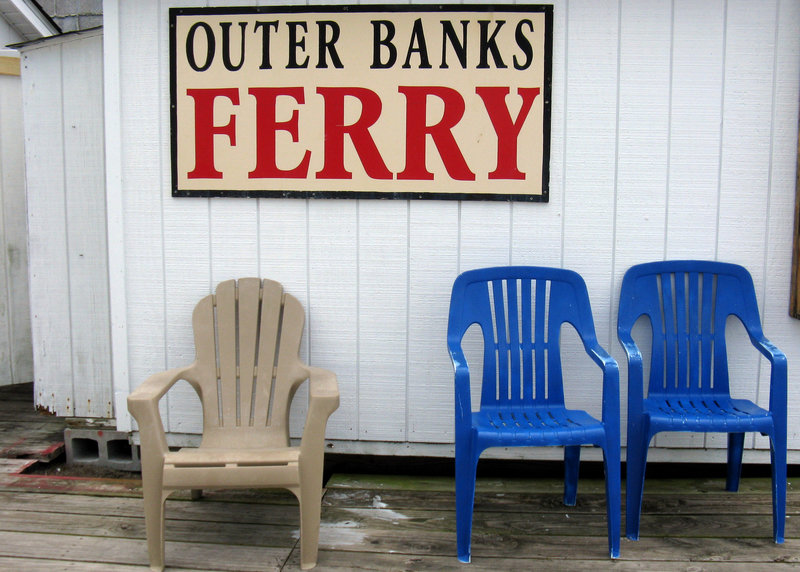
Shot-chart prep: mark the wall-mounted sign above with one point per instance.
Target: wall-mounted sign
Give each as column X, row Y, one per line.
column 444, row 102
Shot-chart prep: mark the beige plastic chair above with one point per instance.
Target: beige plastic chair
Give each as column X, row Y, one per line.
column 246, row 372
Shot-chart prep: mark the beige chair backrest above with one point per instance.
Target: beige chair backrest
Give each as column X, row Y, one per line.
column 247, row 338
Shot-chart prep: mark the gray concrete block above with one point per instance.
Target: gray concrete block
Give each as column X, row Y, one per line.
column 111, row 449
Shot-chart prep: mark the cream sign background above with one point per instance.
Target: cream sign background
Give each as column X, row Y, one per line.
column 358, row 101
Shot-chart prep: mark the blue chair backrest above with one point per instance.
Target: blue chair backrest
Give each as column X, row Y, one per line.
column 688, row 304
column 520, row 310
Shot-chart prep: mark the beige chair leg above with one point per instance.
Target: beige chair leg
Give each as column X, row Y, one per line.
column 154, row 499
column 310, row 499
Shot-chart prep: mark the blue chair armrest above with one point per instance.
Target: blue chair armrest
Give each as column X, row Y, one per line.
column 770, row 351
column 463, row 399
column 778, row 393
column 610, row 369
column 635, row 370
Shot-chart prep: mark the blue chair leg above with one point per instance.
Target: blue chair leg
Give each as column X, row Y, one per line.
column 466, row 465
column 572, row 462
column 635, row 462
column 611, row 458
column 735, row 448
column 778, row 454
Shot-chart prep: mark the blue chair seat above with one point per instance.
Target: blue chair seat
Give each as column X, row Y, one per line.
column 691, row 412
column 537, row 426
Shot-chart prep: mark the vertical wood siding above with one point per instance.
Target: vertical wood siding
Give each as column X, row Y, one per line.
column 16, row 362
column 674, row 134
column 62, row 90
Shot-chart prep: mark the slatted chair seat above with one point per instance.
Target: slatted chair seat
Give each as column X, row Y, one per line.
column 215, row 457
column 520, row 311
column 538, row 426
column 712, row 413
column 246, row 373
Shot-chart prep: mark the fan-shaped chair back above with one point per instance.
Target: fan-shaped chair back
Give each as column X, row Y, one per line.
column 247, row 338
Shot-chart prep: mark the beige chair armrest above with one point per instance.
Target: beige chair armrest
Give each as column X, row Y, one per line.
column 323, row 399
column 143, row 405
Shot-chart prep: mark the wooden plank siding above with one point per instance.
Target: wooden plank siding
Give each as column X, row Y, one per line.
column 62, row 91
column 674, row 135
column 16, row 361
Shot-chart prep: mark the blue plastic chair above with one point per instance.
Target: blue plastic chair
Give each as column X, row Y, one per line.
column 688, row 304
column 520, row 311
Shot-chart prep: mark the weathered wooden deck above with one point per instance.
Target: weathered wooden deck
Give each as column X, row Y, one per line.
column 369, row 522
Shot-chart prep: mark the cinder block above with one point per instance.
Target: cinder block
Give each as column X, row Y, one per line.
column 111, row 449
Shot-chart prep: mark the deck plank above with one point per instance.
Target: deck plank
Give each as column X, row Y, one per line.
column 711, row 503
column 333, row 561
column 566, row 523
column 15, row 466
column 49, row 565
column 267, row 533
column 213, row 510
column 92, row 549
column 552, row 548
column 682, row 486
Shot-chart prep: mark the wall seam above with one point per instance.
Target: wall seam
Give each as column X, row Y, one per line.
column 668, row 178
column 4, row 240
column 70, row 408
column 408, row 319
column 167, row 409
column 564, row 130
column 612, row 279
column 765, row 267
column 721, row 152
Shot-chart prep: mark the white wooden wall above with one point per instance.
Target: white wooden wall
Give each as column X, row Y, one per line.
column 15, row 329
column 674, row 135
column 63, row 113
column 16, row 364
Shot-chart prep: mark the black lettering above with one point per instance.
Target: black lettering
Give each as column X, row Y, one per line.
column 459, row 46
column 226, row 46
column 295, row 43
column 489, row 44
column 210, row 47
column 328, row 45
column 378, row 41
column 524, row 45
column 417, row 45
column 265, row 28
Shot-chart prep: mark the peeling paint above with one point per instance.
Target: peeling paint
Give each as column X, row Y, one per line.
column 44, row 410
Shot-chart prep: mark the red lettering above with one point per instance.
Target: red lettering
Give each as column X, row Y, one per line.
column 441, row 133
column 507, row 129
column 204, row 130
column 267, row 127
column 335, row 131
